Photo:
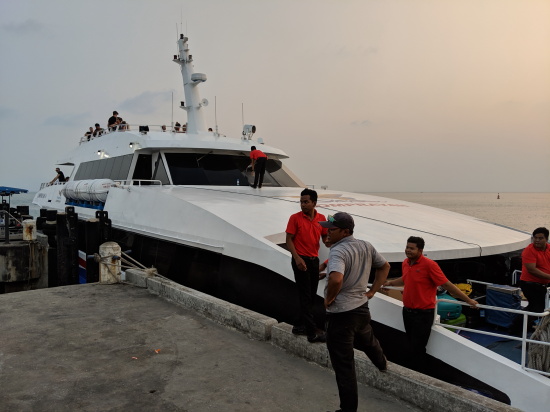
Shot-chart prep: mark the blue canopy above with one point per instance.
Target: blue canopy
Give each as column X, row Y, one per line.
column 8, row 191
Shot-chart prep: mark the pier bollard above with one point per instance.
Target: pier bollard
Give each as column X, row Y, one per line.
column 29, row 229
column 109, row 266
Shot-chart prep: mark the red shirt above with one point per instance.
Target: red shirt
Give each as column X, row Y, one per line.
column 306, row 232
column 255, row 154
column 541, row 259
column 421, row 281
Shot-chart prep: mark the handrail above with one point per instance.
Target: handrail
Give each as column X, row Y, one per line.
column 132, row 127
column 46, row 184
column 524, row 340
column 139, row 181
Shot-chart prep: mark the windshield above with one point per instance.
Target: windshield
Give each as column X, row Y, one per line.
column 222, row 170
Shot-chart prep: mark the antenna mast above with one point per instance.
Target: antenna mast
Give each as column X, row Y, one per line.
column 216, row 113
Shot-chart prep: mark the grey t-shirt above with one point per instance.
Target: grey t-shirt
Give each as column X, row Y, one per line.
column 354, row 259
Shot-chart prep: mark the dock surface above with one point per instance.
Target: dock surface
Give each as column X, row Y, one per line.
column 117, row 347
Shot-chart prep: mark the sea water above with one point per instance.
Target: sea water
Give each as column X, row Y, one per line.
column 522, row 211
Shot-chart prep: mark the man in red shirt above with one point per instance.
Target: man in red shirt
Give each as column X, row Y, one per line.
column 535, row 274
column 258, row 161
column 421, row 277
column 302, row 240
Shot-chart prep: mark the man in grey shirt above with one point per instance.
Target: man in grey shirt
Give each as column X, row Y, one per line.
column 346, row 301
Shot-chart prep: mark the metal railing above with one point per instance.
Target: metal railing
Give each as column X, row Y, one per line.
column 135, row 128
column 524, row 340
column 46, row 184
column 139, row 182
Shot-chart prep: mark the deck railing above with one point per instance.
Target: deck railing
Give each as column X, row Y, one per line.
column 524, row 340
column 133, row 127
column 46, row 184
column 139, row 182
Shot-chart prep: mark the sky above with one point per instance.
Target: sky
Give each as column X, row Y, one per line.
column 363, row 95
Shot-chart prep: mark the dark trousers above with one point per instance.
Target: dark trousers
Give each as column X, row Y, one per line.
column 345, row 331
column 307, row 282
column 418, row 326
column 259, row 171
column 535, row 293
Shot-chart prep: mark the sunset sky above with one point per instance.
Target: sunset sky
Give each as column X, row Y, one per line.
column 366, row 95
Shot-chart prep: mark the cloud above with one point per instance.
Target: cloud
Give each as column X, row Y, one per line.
column 6, row 113
column 146, row 102
column 29, row 26
column 68, row 120
column 361, row 123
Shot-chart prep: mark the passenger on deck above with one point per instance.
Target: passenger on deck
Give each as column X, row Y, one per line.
column 98, row 130
column 535, row 277
column 113, row 121
column 258, row 160
column 421, row 277
column 60, row 176
column 184, row 128
column 89, row 133
column 163, row 127
column 123, row 125
column 210, row 129
column 177, row 127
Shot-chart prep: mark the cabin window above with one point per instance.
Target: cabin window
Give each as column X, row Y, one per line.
column 115, row 168
column 160, row 172
column 221, row 170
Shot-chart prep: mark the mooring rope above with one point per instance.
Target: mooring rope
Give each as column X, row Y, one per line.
column 539, row 355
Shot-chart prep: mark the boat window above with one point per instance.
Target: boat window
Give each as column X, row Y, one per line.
column 115, row 168
column 160, row 172
column 144, row 167
column 220, row 170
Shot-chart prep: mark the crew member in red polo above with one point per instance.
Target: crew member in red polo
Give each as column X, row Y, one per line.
column 421, row 277
column 535, row 275
column 258, row 161
column 302, row 240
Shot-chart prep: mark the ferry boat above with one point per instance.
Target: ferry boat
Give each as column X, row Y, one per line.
column 183, row 202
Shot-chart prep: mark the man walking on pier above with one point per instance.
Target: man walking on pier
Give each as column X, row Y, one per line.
column 346, row 301
column 302, row 240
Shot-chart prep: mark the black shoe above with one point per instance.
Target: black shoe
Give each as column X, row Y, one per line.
column 384, row 367
column 320, row 337
column 299, row 330
column 253, row 187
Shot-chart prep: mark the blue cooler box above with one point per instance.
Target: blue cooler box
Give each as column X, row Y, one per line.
column 503, row 296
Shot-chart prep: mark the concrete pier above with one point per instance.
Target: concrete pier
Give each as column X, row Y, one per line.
column 24, row 264
column 157, row 346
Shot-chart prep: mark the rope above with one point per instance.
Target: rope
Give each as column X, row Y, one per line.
column 539, row 355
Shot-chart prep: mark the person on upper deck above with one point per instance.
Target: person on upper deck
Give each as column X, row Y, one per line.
column 98, row 130
column 258, row 160
column 60, row 176
column 535, row 276
column 113, row 121
column 89, row 133
column 177, row 127
column 421, row 277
